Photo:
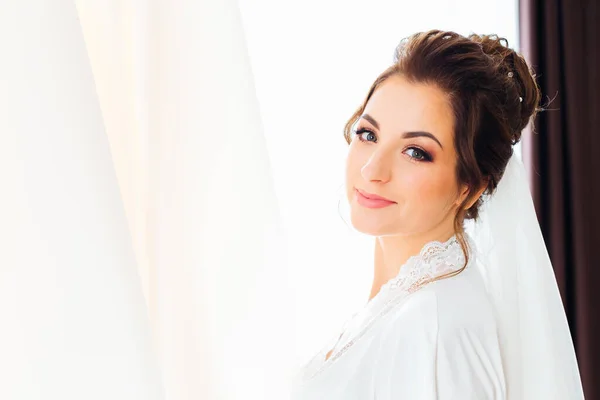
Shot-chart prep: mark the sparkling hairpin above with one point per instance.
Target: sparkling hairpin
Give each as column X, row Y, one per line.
column 510, row 75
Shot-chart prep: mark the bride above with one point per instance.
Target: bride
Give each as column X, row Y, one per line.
column 464, row 303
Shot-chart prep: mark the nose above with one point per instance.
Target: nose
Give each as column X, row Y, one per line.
column 377, row 168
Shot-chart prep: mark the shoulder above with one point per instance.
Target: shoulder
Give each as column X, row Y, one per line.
column 452, row 304
column 452, row 318
column 468, row 353
column 463, row 303
column 446, row 331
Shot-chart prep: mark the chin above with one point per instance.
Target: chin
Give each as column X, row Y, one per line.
column 373, row 226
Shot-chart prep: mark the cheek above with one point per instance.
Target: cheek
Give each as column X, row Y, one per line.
column 354, row 163
column 427, row 191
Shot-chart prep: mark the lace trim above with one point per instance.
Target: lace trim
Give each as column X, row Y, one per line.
column 435, row 259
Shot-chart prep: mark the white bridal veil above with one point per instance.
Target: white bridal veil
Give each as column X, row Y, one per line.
column 537, row 349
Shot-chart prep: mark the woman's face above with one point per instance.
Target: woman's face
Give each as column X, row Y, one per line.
column 403, row 151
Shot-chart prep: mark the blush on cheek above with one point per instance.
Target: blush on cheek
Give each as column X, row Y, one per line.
column 427, row 189
column 415, row 180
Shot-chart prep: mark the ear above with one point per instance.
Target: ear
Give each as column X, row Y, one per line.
column 477, row 195
column 465, row 192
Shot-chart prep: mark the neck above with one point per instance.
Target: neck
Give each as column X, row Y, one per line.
column 391, row 252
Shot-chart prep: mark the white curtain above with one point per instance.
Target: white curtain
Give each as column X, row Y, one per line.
column 73, row 316
column 131, row 136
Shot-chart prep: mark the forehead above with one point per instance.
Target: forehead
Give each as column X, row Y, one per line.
column 401, row 106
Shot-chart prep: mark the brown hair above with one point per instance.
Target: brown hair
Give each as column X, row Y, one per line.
column 492, row 93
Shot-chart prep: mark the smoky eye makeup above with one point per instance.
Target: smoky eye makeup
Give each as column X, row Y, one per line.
column 416, row 153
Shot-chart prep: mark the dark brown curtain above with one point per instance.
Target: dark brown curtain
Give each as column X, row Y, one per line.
column 561, row 40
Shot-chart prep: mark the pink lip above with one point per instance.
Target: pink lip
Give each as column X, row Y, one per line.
column 369, row 200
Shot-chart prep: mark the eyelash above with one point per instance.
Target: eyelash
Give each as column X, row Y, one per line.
column 426, row 156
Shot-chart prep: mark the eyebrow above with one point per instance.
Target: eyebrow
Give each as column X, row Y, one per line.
column 405, row 135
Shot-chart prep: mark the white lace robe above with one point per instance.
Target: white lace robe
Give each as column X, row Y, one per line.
column 412, row 340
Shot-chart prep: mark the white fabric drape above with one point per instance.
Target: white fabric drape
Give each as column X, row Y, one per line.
column 131, row 135
column 178, row 99
column 73, row 317
column 223, row 311
column 114, row 32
